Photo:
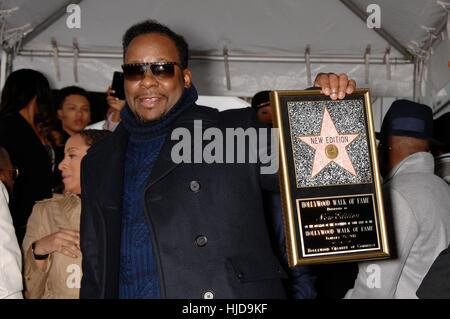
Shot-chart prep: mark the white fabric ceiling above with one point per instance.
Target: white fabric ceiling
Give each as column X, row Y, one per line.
column 264, row 28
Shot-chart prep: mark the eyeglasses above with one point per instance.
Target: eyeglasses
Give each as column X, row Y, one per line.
column 161, row 70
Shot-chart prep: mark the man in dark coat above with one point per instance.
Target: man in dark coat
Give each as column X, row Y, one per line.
column 155, row 226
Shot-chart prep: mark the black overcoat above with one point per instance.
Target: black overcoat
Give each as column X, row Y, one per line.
column 209, row 233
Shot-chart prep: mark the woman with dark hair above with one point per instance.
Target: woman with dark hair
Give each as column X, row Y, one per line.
column 51, row 247
column 26, row 132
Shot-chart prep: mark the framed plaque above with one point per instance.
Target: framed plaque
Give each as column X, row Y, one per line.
column 330, row 185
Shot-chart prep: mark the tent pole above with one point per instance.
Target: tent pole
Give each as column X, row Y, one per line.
column 308, row 65
column 415, row 80
column 418, row 77
column 227, row 68
column 380, row 31
column 327, row 59
column 6, row 66
column 3, row 62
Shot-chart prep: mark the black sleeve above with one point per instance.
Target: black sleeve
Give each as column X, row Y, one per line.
column 90, row 287
column 436, row 284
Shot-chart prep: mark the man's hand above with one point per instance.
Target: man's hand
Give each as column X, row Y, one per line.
column 114, row 102
column 335, row 86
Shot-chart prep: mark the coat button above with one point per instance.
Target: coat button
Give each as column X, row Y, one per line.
column 240, row 275
column 208, row 295
column 194, row 186
column 201, row 240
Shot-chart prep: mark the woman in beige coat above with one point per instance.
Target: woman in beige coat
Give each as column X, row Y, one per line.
column 52, row 256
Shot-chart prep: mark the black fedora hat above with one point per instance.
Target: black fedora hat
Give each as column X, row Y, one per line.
column 407, row 118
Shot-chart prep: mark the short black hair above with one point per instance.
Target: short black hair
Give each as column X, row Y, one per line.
column 259, row 98
column 70, row 90
column 93, row 136
column 152, row 26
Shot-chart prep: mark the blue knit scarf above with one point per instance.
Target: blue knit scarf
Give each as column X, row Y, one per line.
column 138, row 278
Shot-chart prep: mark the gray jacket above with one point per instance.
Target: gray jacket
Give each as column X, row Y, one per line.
column 419, row 202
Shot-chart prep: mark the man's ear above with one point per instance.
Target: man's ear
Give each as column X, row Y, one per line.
column 2, row 176
column 6, row 179
column 60, row 114
column 187, row 77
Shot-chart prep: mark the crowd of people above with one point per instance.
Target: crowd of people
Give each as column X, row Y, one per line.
column 108, row 214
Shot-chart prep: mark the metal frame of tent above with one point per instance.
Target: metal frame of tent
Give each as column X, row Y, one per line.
column 417, row 56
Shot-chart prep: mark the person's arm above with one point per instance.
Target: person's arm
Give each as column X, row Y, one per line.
column 112, row 120
column 35, row 271
column 301, row 280
column 10, row 256
column 90, row 286
column 379, row 279
column 63, row 241
column 113, row 114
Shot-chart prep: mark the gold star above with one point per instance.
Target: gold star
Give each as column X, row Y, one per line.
column 330, row 146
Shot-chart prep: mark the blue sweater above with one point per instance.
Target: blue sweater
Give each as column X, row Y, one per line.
column 138, row 278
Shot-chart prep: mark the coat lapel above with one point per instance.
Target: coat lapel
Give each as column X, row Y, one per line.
column 112, row 181
column 164, row 164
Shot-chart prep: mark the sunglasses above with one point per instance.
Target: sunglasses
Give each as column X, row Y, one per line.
column 160, row 70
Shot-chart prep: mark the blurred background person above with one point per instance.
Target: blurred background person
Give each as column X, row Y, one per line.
column 8, row 173
column 74, row 114
column 436, row 284
column 10, row 256
column 301, row 280
column 27, row 134
column 73, row 110
column 416, row 200
column 111, row 118
column 261, row 105
column 52, row 256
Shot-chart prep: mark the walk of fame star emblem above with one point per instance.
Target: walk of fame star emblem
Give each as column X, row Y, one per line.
column 330, row 146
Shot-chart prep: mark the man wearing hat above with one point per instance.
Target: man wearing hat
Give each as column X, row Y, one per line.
column 436, row 283
column 416, row 200
column 262, row 107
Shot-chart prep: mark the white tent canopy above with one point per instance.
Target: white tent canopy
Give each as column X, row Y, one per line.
column 265, row 42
